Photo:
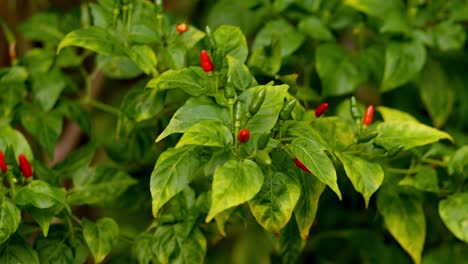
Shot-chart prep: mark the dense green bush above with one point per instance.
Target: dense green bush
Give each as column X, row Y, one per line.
column 332, row 185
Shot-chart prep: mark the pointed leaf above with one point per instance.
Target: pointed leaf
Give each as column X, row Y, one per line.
column 231, row 40
column 454, row 214
column 192, row 80
column 10, row 217
column 100, row 236
column 240, row 75
column 143, row 56
column 208, row 133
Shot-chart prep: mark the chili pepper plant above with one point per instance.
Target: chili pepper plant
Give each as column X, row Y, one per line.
column 238, row 131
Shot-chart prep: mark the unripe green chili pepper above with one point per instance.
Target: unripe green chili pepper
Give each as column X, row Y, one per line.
column 257, row 101
column 368, row 135
column 287, row 109
column 394, row 151
column 262, row 157
column 229, row 90
column 238, row 112
column 355, row 110
column 263, row 140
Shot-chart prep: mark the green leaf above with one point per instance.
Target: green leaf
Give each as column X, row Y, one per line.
column 425, row 180
column 339, row 73
column 307, row 205
column 40, row 194
column 99, row 186
column 437, row 93
column 234, row 183
column 195, row 110
column 454, row 214
column 274, row 204
column 240, row 75
column 314, row 28
column 142, row 248
column 173, row 171
column 291, row 246
column 118, row 67
column 192, row 80
column 93, row 38
column 192, row 37
column 292, row 128
column 231, row 41
column 374, row 7
column 407, row 134
column 143, row 56
column 171, row 244
column 337, row 132
column 75, row 112
column 18, row 251
column 46, row 127
column 265, row 119
column 10, row 217
column 365, row 176
column 42, row 27
column 459, row 161
column 390, row 114
column 449, row 36
column 446, row 253
column 403, row 216
column 10, row 136
column 313, row 156
column 267, row 59
column 208, row 133
column 141, row 104
column 54, row 250
column 403, row 61
column 47, row 87
column 100, row 236
column 290, row 39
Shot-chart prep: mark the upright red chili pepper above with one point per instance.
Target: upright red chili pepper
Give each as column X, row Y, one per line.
column 3, row 165
column 244, row 135
column 321, row 109
column 205, row 61
column 25, row 166
column 182, row 28
column 369, row 115
column 300, row 165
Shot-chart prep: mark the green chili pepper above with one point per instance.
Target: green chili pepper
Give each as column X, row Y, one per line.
column 229, row 90
column 263, row 140
column 238, row 112
column 355, row 110
column 287, row 109
column 368, row 135
column 263, row 158
column 257, row 101
column 394, row 151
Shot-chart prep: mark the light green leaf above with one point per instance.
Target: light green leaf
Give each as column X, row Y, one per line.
column 403, row 61
column 171, row 244
column 390, row 114
column 403, row 216
column 10, row 217
column 240, row 75
column 265, row 119
column 339, row 73
column 437, row 92
column 449, row 36
column 292, row 128
column 93, row 38
column 314, row 28
column 336, row 131
column 459, row 162
column 407, row 134
column 231, row 41
column 193, row 111
column 18, row 251
column 99, row 185
column 10, row 136
column 307, row 205
column 208, row 133
column 192, row 80
column 234, row 183
column 100, row 236
column 191, row 37
column 365, row 176
column 173, row 171
column 47, row 87
column 313, row 156
column 454, row 214
column 280, row 29
column 274, row 204
column 143, row 56
column 425, row 180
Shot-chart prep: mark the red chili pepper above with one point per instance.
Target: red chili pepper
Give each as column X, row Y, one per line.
column 206, row 62
column 244, row 135
column 182, row 28
column 300, row 165
column 321, row 109
column 3, row 165
column 25, row 166
column 369, row 115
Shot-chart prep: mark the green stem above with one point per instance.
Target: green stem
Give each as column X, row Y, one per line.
column 433, row 161
column 12, row 185
column 102, row 106
column 70, row 226
column 401, row 171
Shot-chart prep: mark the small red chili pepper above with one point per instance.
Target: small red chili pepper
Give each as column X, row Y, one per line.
column 206, row 62
column 321, row 109
column 369, row 115
column 182, row 28
column 244, row 135
column 3, row 165
column 25, row 166
column 300, row 165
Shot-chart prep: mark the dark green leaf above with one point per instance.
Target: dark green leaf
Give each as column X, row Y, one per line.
column 314, row 28
column 449, row 36
column 10, row 217
column 118, row 67
column 240, row 75
column 18, row 251
column 47, row 87
column 290, row 39
column 10, row 136
column 459, row 161
column 425, row 180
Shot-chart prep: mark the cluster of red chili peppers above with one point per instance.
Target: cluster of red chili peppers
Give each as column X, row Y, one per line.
column 24, row 165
